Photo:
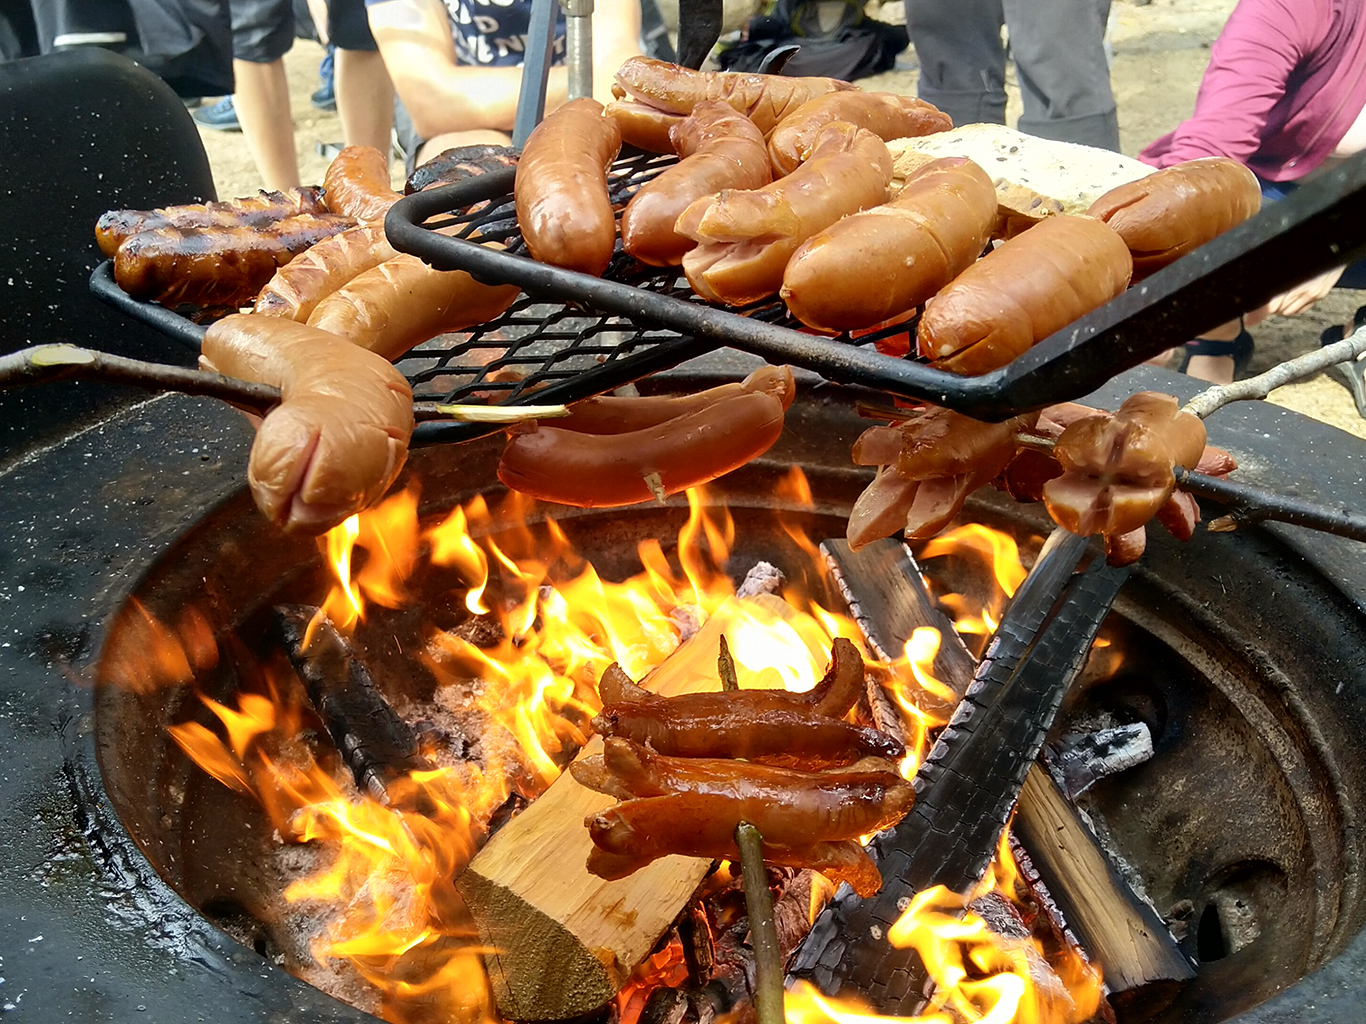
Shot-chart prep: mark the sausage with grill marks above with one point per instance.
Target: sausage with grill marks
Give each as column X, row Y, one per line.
column 297, row 287
column 261, row 210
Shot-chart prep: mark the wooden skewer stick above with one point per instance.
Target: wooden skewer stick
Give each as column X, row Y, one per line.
column 46, row 363
column 763, row 930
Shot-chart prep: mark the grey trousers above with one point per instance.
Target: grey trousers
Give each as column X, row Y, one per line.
column 1058, row 48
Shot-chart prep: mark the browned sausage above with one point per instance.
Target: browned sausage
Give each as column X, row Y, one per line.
column 459, row 163
column 720, row 149
column 885, row 114
column 561, row 189
column 356, row 184
column 257, row 211
column 599, row 471
column 1019, row 294
column 1117, row 468
column 402, row 302
column 216, row 266
column 609, row 414
column 747, row 237
column 303, row 282
column 644, row 126
column 771, row 731
column 764, row 99
column 1173, row 211
column 837, row 691
column 340, row 434
column 884, row 262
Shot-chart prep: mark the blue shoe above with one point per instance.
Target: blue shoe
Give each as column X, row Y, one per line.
column 326, row 96
column 222, row 116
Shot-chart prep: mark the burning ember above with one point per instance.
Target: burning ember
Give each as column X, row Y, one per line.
column 520, row 672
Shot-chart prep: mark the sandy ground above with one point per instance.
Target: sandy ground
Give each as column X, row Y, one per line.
column 1160, row 52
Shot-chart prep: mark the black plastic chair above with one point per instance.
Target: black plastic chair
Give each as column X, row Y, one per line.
column 81, row 132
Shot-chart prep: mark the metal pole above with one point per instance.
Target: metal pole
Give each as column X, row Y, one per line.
column 540, row 51
column 579, row 46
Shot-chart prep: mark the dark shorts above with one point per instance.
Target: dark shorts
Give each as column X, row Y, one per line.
column 263, row 30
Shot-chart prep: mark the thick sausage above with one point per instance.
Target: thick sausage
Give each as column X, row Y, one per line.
column 837, row 691
column 356, row 184
column 1117, row 468
column 644, row 126
column 884, row 262
column 402, row 302
column 600, row 471
column 885, row 114
column 216, row 266
column 720, row 149
column 747, row 237
column 452, row 165
column 764, row 99
column 611, row 415
column 563, row 207
column 1019, row 294
column 715, row 725
column 303, row 282
column 258, row 211
column 340, row 434
column 1173, row 211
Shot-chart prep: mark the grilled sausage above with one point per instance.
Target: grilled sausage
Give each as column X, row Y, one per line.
column 216, row 266
column 259, row 211
column 747, row 237
column 644, row 126
column 720, row 149
column 1019, row 294
column 340, row 434
column 356, row 184
column 884, row 262
column 452, row 165
column 561, row 188
column 600, row 471
column 764, row 99
column 303, row 282
column 769, row 730
column 609, row 414
column 1173, row 211
column 1117, row 468
column 402, row 302
column 885, row 114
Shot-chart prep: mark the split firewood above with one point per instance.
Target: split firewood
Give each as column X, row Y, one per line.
column 560, row 940
column 889, row 599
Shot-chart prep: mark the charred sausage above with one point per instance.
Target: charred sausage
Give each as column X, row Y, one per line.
column 261, row 210
column 452, row 165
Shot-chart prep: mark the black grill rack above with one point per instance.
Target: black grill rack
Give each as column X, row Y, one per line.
column 1318, row 227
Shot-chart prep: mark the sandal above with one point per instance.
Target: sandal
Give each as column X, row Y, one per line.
column 1240, row 348
column 1352, row 374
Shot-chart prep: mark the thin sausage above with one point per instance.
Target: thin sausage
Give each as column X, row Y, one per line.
column 882, row 263
column 747, row 237
column 720, row 149
column 561, row 188
column 1019, row 294
column 356, row 184
column 297, row 287
column 258, row 211
column 885, row 114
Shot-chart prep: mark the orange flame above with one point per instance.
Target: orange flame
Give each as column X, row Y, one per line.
column 1000, row 554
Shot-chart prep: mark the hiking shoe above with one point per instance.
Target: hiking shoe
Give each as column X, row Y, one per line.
column 221, row 117
column 325, row 98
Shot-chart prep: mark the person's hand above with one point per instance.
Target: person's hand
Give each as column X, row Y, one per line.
column 1301, row 297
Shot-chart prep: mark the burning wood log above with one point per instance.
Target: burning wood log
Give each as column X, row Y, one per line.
column 562, row 941
column 889, row 599
column 375, row 743
column 970, row 780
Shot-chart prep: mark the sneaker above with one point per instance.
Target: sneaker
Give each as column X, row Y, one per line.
column 326, row 96
column 222, row 116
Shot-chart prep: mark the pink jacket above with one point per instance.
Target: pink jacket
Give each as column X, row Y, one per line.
column 1285, row 81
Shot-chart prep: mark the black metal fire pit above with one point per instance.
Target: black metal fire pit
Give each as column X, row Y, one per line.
column 90, row 931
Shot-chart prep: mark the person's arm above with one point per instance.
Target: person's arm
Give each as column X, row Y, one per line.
column 616, row 36
column 1250, row 66
column 442, row 95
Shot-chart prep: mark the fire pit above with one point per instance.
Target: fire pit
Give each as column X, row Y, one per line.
column 1228, row 687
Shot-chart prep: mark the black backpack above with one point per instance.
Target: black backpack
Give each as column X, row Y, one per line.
column 854, row 47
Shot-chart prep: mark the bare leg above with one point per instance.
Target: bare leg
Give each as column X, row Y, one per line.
column 1216, row 369
column 365, row 98
column 262, row 102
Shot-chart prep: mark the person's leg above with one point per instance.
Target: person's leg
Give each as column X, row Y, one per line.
column 962, row 61
column 1059, row 52
column 262, row 33
column 365, row 96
